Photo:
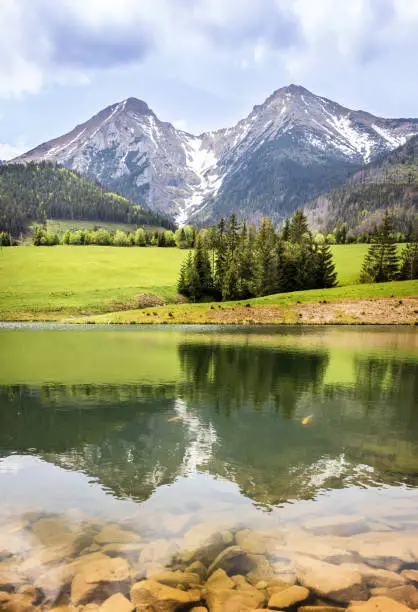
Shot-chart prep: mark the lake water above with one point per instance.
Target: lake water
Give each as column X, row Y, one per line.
column 283, row 456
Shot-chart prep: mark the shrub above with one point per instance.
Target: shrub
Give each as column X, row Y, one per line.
column 140, row 237
column 4, row 239
column 120, row 239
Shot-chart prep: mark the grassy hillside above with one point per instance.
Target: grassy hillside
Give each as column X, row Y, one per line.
column 34, row 192
column 56, row 280
column 51, row 283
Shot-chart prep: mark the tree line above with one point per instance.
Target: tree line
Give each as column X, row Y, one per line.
column 183, row 237
column 383, row 262
column 232, row 261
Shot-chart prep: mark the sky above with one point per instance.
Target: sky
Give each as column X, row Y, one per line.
column 200, row 64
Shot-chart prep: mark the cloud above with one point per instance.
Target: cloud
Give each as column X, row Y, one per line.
column 180, row 124
column 333, row 46
column 9, row 151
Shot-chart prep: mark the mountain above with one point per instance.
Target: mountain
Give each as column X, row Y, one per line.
column 390, row 181
column 286, row 152
column 33, row 192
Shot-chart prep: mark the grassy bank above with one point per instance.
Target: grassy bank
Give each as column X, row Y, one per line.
column 111, row 284
column 386, row 303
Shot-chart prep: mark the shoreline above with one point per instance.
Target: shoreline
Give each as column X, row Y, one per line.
column 367, row 311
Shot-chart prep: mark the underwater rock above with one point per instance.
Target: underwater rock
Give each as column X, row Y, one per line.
column 231, row 559
column 117, row 603
column 114, row 534
column 406, row 594
column 331, row 581
column 338, row 525
column 288, row 597
column 150, row 595
column 379, row 604
column 174, row 578
column 92, row 576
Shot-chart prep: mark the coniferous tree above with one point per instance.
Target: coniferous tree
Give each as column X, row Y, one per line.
column 286, row 230
column 232, row 236
column 298, row 226
column 183, row 284
column 202, row 286
column 381, row 263
column 325, row 274
column 265, row 258
column 221, row 258
column 409, row 261
column 231, row 284
column 245, row 264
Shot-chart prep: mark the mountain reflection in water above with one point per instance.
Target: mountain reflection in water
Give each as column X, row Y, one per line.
column 257, row 458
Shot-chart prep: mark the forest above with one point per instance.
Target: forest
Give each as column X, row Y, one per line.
column 231, row 261
column 38, row 191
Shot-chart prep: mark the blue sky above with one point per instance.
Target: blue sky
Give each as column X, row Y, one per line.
column 201, row 64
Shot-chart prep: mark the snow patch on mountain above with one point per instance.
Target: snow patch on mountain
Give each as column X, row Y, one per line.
column 130, row 150
column 206, row 181
column 392, row 141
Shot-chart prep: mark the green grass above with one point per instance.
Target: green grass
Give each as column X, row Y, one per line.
column 60, row 226
column 64, row 281
column 77, row 279
column 349, row 292
column 201, row 313
column 348, row 260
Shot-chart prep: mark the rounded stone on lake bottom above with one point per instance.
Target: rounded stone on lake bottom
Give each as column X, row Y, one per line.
column 411, row 575
column 288, row 597
column 117, row 603
column 197, row 568
column 379, row 604
column 406, row 594
column 114, row 534
column 150, row 595
column 320, row 608
column 231, row 559
column 92, row 577
column 222, row 600
column 14, row 602
column 174, row 578
column 331, row 581
column 220, row 579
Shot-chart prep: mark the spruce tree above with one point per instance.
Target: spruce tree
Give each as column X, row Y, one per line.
column 286, row 230
column 381, row 263
column 409, row 262
column 245, row 264
column 183, row 284
column 325, row 275
column 202, row 281
column 232, row 237
column 221, row 258
column 230, row 287
column 266, row 259
column 298, row 226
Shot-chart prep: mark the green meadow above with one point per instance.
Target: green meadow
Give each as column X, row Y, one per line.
column 54, row 283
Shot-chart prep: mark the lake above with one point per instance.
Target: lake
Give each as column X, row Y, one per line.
column 239, row 468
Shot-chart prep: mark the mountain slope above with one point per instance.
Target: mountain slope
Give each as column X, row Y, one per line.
column 389, row 182
column 33, row 192
column 286, row 152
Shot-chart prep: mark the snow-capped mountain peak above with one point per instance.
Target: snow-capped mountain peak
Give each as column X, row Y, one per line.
column 281, row 155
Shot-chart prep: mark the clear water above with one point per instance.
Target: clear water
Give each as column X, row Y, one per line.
column 168, row 431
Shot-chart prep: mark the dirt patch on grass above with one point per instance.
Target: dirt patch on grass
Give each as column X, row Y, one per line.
column 143, row 300
column 387, row 311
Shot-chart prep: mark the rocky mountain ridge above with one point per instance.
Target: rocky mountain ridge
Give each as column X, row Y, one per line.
column 286, row 152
